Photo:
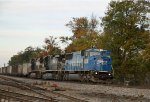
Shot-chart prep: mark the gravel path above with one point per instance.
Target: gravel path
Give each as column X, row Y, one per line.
column 119, row 91
column 103, row 93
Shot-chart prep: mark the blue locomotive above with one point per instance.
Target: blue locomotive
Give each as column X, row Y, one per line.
column 91, row 64
column 85, row 65
column 87, row 60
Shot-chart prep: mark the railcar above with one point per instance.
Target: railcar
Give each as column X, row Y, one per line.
column 4, row 70
column 26, row 68
column 15, row 70
column 0, row 70
column 8, row 70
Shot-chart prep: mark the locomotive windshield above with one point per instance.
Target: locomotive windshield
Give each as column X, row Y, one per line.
column 106, row 54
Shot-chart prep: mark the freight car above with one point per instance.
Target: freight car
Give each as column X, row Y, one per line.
column 26, row 68
column 16, row 70
column 0, row 70
column 8, row 70
column 4, row 70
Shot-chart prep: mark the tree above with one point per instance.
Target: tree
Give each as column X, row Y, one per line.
column 52, row 45
column 85, row 33
column 25, row 56
column 125, row 33
column 145, row 58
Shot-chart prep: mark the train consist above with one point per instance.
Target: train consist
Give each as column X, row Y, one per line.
column 85, row 65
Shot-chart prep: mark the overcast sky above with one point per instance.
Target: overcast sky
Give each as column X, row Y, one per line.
column 26, row 23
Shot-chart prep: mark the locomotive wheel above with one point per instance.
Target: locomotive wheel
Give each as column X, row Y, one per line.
column 38, row 74
column 83, row 78
column 93, row 79
column 32, row 75
column 65, row 76
column 44, row 76
column 56, row 76
column 53, row 76
column 87, row 78
column 60, row 76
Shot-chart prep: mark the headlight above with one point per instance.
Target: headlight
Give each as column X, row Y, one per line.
column 96, row 73
column 109, row 74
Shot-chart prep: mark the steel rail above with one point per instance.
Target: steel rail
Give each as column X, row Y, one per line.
column 27, row 98
column 22, row 85
column 45, row 90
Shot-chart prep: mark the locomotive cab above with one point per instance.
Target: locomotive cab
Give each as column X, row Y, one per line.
column 99, row 62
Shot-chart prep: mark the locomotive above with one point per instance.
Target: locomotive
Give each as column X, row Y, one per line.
column 85, row 65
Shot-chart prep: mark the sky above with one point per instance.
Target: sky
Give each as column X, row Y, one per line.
column 26, row 23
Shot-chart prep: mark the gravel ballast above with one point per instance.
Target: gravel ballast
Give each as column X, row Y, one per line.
column 97, row 92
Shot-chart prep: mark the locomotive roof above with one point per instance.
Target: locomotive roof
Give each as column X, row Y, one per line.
column 90, row 50
column 93, row 49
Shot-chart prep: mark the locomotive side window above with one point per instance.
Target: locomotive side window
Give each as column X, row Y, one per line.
column 61, row 58
column 85, row 60
column 94, row 53
column 82, row 52
column 54, row 60
column 86, row 54
column 69, row 56
column 106, row 54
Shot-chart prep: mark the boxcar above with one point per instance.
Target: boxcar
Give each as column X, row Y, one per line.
column 0, row 70
column 14, row 70
column 19, row 70
column 8, row 70
column 4, row 70
column 26, row 68
column 29, row 68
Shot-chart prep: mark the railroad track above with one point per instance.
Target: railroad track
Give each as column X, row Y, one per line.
column 40, row 90
column 6, row 94
column 21, row 85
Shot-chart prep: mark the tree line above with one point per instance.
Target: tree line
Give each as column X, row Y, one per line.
column 125, row 31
